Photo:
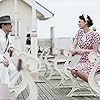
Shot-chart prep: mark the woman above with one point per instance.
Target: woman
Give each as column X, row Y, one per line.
column 86, row 41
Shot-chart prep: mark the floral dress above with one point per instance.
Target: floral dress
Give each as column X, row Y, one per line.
column 86, row 41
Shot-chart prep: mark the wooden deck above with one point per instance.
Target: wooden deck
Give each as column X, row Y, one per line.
column 49, row 91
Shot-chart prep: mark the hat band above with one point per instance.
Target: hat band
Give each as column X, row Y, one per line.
column 6, row 22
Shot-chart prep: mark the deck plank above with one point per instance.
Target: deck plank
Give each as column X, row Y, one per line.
column 41, row 93
column 46, row 92
column 54, row 94
column 49, row 91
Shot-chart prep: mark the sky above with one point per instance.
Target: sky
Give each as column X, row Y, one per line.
column 66, row 13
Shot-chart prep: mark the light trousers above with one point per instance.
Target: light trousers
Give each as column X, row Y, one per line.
column 6, row 72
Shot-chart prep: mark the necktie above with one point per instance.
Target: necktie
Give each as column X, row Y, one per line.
column 6, row 37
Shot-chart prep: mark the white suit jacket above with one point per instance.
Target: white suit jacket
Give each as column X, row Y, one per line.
column 3, row 44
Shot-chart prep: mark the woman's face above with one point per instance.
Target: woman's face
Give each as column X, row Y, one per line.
column 81, row 24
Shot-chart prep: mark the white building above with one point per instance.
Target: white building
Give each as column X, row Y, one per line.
column 25, row 13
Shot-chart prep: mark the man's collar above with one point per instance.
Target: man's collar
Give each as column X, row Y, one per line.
column 2, row 33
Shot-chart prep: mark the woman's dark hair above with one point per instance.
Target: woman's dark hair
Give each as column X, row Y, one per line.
column 89, row 20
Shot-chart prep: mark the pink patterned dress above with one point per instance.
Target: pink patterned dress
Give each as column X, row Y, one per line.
column 86, row 41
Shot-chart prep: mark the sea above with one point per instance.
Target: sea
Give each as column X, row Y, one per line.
column 60, row 43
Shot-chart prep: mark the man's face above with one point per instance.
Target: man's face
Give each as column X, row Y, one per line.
column 7, row 27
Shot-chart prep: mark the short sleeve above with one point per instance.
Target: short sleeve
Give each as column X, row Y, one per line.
column 96, row 38
column 76, row 36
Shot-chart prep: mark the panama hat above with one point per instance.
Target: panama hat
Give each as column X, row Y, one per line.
column 5, row 19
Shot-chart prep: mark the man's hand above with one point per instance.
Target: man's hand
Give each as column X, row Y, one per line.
column 11, row 50
column 5, row 62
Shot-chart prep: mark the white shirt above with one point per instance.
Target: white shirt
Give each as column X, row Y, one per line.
column 3, row 44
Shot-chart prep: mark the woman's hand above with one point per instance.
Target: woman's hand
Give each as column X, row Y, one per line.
column 80, row 51
column 72, row 51
column 76, row 51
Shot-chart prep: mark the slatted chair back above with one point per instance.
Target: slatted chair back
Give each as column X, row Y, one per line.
column 23, row 82
column 26, row 85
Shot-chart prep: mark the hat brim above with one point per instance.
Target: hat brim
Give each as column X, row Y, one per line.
column 4, row 22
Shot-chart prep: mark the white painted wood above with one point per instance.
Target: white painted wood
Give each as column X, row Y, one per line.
column 4, row 92
column 60, row 68
column 15, row 18
column 24, row 16
column 93, row 82
column 42, row 66
column 77, row 83
column 26, row 79
column 50, row 62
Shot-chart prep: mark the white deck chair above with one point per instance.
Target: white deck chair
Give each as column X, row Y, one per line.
column 28, row 59
column 26, row 80
column 48, row 65
column 59, row 63
column 43, row 67
column 49, row 61
column 94, row 77
column 77, row 83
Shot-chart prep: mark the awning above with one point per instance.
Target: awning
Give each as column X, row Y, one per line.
column 42, row 12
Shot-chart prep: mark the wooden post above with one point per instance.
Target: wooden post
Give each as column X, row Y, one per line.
column 34, row 42
column 34, row 34
column 15, row 19
column 34, row 31
column 52, row 39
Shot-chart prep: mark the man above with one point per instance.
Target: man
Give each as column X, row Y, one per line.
column 28, row 44
column 6, row 50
